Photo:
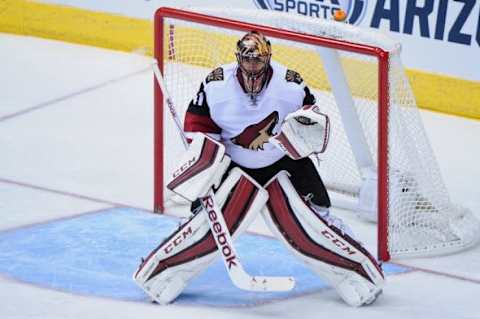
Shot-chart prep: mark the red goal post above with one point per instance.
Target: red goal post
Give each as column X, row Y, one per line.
column 168, row 48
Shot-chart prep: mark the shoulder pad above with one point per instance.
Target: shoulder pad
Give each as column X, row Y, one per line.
column 215, row 75
column 292, row 76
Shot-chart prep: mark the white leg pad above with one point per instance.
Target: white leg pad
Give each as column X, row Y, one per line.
column 191, row 248
column 332, row 254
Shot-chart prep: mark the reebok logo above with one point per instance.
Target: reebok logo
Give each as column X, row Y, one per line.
column 219, row 233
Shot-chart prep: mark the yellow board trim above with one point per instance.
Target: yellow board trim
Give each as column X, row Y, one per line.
column 432, row 91
column 446, row 94
column 76, row 25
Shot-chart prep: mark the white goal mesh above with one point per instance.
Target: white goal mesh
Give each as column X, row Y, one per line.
column 341, row 65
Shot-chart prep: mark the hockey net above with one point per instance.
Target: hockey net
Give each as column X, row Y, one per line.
column 378, row 152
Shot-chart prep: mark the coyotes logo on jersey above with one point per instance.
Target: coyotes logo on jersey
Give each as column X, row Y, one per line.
column 255, row 135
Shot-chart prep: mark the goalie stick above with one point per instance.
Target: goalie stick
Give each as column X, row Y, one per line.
column 239, row 277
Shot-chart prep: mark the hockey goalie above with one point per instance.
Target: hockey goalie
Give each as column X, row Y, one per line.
column 252, row 127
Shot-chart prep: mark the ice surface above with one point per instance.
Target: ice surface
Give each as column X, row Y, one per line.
column 76, row 134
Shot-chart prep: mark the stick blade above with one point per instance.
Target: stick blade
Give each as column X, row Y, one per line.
column 267, row 284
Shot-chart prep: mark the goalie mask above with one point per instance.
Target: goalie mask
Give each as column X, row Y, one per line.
column 253, row 56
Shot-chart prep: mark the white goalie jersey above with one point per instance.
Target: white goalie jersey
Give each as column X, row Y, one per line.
column 225, row 112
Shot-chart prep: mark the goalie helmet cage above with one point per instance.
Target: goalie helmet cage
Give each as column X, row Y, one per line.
column 359, row 81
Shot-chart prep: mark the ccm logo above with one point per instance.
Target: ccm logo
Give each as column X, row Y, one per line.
column 219, row 232
column 184, row 167
column 177, row 240
column 337, row 242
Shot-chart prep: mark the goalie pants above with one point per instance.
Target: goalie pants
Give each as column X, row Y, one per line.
column 303, row 175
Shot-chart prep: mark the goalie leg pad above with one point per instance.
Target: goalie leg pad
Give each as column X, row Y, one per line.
column 332, row 254
column 191, row 248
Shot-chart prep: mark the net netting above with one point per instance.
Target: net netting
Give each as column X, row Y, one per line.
column 421, row 218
